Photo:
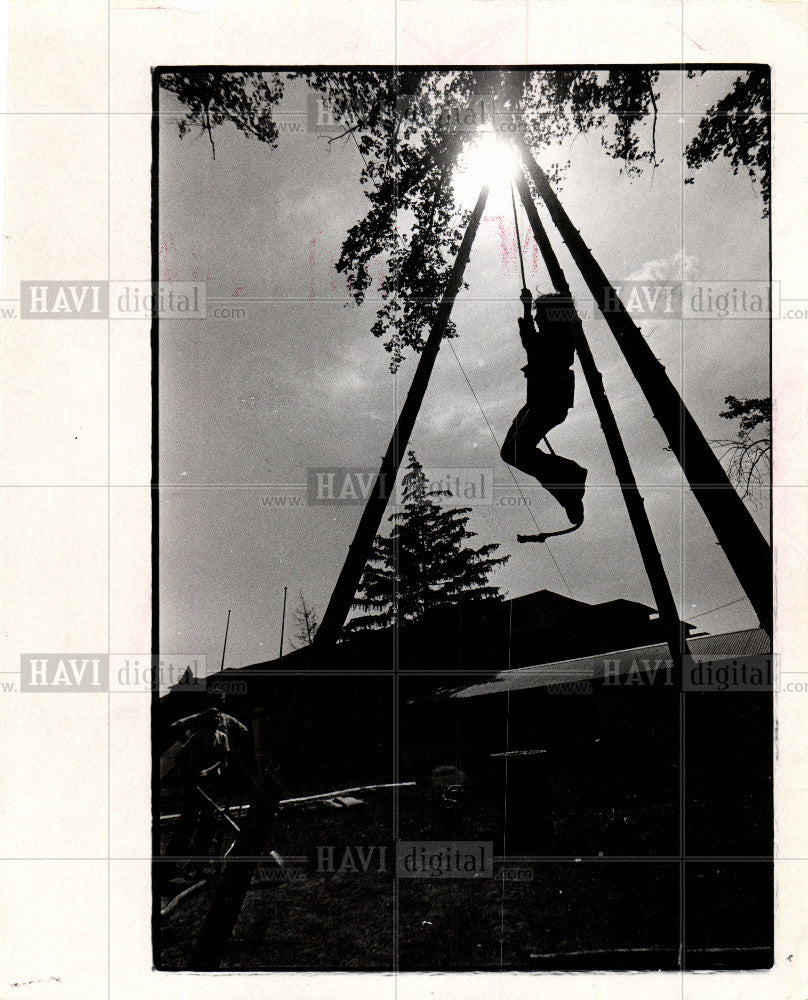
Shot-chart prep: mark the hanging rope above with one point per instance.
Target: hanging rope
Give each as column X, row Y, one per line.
column 513, row 477
column 518, row 240
column 524, row 286
column 543, row 536
column 525, row 325
column 522, row 269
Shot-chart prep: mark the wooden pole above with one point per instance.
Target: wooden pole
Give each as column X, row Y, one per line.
column 345, row 590
column 746, row 549
column 210, row 947
column 226, row 630
column 675, row 632
column 283, row 620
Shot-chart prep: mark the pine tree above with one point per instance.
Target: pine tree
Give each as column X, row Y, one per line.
column 425, row 563
column 305, row 623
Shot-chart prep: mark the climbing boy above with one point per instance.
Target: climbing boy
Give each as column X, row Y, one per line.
column 550, row 394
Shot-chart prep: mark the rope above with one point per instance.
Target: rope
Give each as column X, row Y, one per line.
column 522, row 269
column 518, row 240
column 510, row 470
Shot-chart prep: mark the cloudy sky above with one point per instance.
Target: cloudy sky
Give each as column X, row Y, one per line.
column 248, row 404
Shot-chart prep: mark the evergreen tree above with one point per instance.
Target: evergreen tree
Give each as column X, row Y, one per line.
column 425, row 563
column 305, row 623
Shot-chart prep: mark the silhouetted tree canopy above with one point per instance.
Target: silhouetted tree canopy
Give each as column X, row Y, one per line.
column 245, row 99
column 738, row 127
column 406, row 127
column 748, row 454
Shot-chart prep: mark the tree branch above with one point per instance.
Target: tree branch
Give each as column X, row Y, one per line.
column 654, row 123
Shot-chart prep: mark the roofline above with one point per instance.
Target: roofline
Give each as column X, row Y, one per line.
column 618, row 652
column 631, row 649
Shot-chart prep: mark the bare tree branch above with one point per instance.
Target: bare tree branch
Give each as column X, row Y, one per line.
column 654, row 162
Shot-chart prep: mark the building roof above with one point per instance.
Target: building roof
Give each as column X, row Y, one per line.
column 749, row 642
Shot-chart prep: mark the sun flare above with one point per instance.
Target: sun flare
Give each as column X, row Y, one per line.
column 486, row 159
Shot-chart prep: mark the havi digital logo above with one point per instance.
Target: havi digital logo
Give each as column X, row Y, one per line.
column 63, row 672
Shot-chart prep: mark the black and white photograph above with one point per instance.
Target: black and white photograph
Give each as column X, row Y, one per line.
column 462, row 517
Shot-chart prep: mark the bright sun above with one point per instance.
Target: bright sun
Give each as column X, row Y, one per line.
column 485, row 158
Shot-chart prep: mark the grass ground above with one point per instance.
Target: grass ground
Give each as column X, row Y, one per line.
column 626, row 911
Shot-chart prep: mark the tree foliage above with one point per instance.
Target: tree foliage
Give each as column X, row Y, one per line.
column 245, row 99
column 738, row 127
column 425, row 563
column 408, row 126
column 306, row 622
column 748, row 454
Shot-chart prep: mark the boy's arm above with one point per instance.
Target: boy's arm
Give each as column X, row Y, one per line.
column 527, row 328
column 185, row 721
column 232, row 720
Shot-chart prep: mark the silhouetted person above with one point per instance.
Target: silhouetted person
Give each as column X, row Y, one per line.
column 550, row 394
column 202, row 763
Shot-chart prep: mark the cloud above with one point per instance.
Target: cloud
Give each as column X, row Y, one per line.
column 679, row 267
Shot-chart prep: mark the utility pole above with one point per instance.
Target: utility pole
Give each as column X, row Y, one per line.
column 226, row 630
column 344, row 592
column 675, row 633
column 283, row 621
column 747, row 550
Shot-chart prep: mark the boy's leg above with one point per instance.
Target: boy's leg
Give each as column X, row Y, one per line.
column 565, row 480
column 508, row 450
column 519, row 447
